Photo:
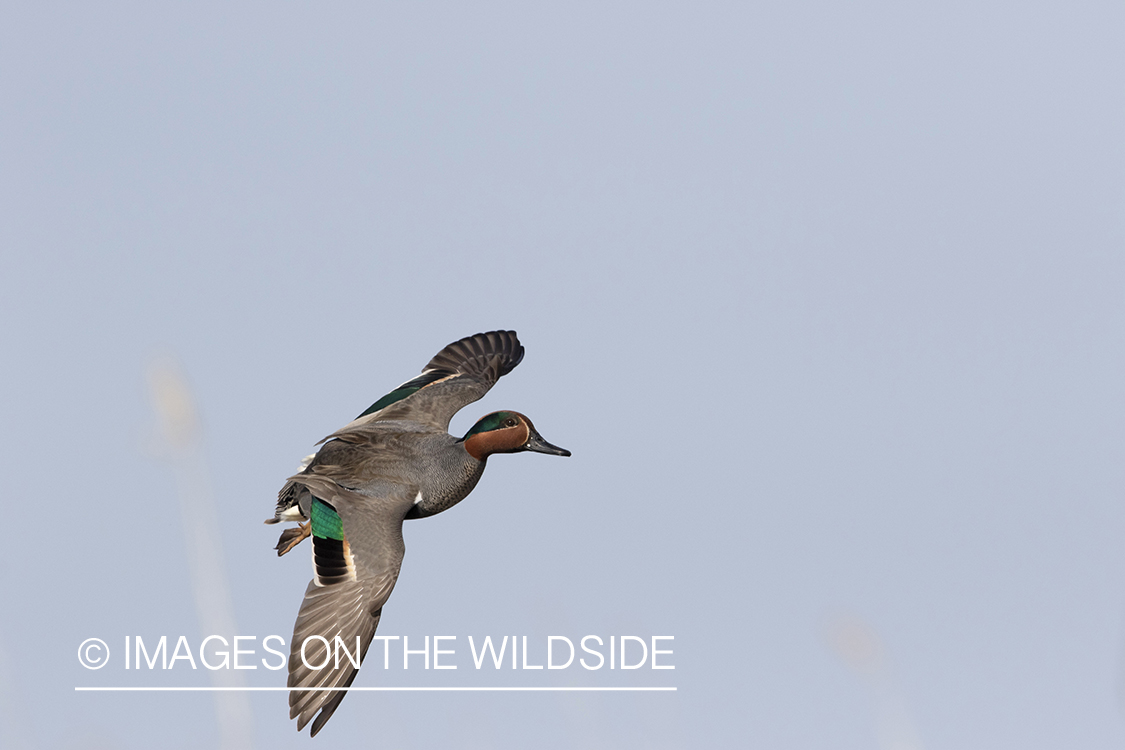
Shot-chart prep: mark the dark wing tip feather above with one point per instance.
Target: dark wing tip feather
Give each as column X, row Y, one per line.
column 330, row 707
column 480, row 353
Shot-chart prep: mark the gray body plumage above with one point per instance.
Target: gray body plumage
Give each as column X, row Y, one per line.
column 432, row 461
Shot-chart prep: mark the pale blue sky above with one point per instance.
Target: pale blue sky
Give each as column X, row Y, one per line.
column 826, row 299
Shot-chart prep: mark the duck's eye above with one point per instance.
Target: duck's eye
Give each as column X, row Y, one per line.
column 509, row 422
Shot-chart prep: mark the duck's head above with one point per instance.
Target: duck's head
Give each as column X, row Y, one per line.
column 506, row 432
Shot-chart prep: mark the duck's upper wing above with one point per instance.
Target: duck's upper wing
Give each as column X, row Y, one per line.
column 458, row 375
column 357, row 553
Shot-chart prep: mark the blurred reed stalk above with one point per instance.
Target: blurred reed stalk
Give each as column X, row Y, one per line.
column 179, row 427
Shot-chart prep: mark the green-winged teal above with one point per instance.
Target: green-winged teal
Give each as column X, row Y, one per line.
column 397, row 460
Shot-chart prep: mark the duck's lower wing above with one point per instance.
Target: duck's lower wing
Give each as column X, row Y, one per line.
column 357, row 553
column 317, row 659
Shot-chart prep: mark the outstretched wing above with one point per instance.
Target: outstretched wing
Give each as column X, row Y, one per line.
column 458, row 375
column 357, row 553
column 341, row 615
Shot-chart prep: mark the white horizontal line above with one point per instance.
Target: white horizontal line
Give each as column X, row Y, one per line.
column 378, row 689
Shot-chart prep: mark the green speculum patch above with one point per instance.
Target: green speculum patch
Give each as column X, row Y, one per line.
column 326, row 522
column 406, row 389
column 395, row 395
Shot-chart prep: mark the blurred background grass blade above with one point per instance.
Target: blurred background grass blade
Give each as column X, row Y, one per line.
column 180, row 430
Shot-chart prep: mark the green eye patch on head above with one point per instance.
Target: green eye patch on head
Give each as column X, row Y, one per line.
column 490, row 423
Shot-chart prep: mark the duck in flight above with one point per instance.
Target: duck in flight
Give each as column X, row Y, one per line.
column 395, row 461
